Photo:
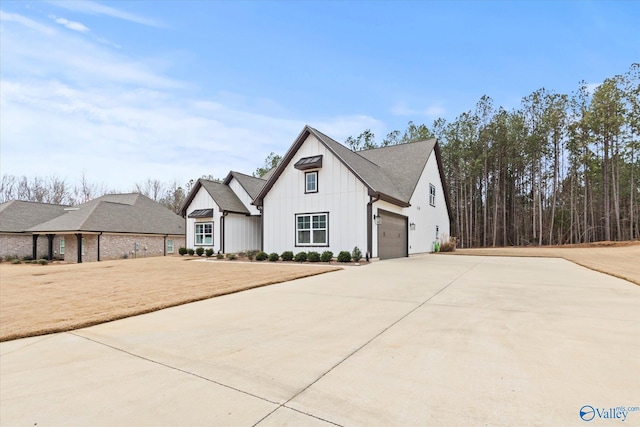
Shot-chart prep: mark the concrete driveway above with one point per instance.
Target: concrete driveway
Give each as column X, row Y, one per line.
column 430, row 340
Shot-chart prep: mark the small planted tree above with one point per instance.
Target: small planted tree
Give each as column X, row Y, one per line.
column 287, row 256
column 356, row 254
column 344, row 256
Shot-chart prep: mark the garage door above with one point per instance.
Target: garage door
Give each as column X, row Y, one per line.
column 392, row 235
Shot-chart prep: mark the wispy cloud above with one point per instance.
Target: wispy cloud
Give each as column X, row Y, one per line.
column 75, row 26
column 94, row 8
column 33, row 25
column 432, row 111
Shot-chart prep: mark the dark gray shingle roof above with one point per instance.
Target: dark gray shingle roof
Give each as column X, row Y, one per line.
column 18, row 216
column 251, row 184
column 117, row 213
column 224, row 196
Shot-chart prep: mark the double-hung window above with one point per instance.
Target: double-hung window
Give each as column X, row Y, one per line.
column 311, row 182
column 62, row 246
column 312, row 229
column 204, row 233
column 170, row 246
column 432, row 194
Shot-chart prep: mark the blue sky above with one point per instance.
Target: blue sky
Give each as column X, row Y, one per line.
column 125, row 91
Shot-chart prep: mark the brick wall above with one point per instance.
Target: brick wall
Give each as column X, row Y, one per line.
column 22, row 245
column 119, row 246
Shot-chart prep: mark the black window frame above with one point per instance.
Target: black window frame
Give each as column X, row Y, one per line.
column 432, row 195
column 195, row 234
column 297, row 244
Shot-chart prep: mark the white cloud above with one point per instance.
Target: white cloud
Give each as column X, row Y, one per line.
column 75, row 26
column 433, row 111
column 14, row 17
column 94, row 8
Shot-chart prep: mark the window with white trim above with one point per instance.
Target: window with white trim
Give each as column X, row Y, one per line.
column 432, row 194
column 311, row 182
column 312, row 229
column 82, row 250
column 170, row 246
column 204, row 233
column 62, row 246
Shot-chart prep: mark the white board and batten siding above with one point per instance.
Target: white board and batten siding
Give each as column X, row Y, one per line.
column 203, row 200
column 242, row 233
column 244, row 197
column 340, row 194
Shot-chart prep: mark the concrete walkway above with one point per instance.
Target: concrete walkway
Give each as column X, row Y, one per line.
column 430, row 340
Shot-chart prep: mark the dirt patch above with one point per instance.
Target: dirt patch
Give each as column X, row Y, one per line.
column 37, row 300
column 619, row 259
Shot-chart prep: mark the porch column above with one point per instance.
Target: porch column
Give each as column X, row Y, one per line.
column 50, row 245
column 79, row 237
column 35, row 246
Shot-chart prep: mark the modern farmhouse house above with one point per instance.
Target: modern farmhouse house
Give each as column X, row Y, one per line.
column 390, row 202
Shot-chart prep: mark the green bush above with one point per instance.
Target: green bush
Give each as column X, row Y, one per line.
column 273, row 257
column 356, row 255
column 231, row 257
column 208, row 252
column 199, row 251
column 326, row 256
column 43, row 261
column 16, row 261
column 344, row 256
column 219, row 256
column 182, row 250
column 313, row 256
column 287, row 256
column 300, row 257
column 261, row 256
column 190, row 251
column 252, row 254
column 27, row 258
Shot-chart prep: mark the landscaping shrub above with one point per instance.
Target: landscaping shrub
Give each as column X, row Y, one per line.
column 16, row 261
column 242, row 254
column 43, row 261
column 219, row 256
column 252, row 254
column 344, row 256
column 27, row 258
column 261, row 256
column 356, row 255
column 231, row 257
column 287, row 256
column 326, row 256
column 448, row 245
column 208, row 252
column 182, row 250
column 313, row 257
column 199, row 251
column 190, row 251
column 273, row 257
column 300, row 257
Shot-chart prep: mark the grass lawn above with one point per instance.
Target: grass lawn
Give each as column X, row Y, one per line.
column 36, row 299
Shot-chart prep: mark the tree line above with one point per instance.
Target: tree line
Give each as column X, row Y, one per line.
column 559, row 169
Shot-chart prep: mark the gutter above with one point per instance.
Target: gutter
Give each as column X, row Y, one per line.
column 369, row 253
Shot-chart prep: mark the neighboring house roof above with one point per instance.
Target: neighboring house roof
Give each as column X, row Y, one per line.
column 17, row 216
column 116, row 213
column 390, row 173
column 251, row 184
column 221, row 193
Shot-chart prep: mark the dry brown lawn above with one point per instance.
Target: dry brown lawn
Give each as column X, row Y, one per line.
column 619, row 259
column 36, row 299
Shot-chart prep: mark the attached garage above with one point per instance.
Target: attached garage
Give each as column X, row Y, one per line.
column 392, row 235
